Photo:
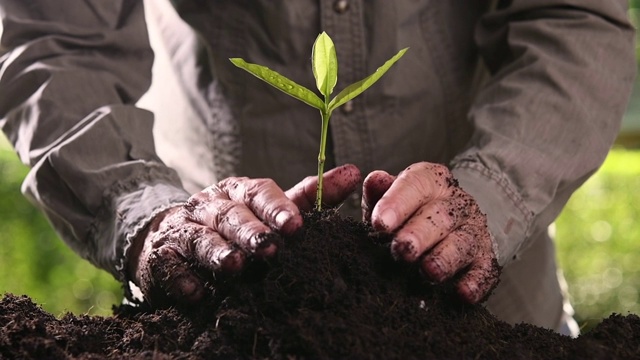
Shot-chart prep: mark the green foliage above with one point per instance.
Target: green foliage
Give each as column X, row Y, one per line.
column 598, row 240
column 34, row 261
column 280, row 82
column 325, row 70
column 324, row 64
column 359, row 87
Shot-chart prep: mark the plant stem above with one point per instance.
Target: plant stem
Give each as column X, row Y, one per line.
column 321, row 156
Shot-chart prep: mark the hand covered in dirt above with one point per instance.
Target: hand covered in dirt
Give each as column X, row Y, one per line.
column 436, row 224
column 219, row 228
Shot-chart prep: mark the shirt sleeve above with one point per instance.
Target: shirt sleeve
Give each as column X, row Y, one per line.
column 561, row 73
column 70, row 74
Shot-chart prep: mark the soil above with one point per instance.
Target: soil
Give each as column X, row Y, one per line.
column 332, row 292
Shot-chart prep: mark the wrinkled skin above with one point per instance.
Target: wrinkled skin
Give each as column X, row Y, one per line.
column 219, row 228
column 436, row 224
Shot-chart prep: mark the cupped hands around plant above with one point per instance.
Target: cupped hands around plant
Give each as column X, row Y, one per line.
column 435, row 223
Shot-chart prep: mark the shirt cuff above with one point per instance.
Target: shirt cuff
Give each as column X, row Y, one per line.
column 135, row 204
column 508, row 218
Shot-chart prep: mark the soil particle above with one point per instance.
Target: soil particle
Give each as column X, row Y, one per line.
column 452, row 182
column 333, row 291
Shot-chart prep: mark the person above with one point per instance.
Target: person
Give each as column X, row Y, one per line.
column 516, row 101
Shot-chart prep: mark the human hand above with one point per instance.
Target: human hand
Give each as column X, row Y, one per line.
column 435, row 223
column 219, row 228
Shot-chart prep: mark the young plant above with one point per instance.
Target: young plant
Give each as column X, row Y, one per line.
column 324, row 63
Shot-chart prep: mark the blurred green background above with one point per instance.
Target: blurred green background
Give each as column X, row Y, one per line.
column 598, row 240
column 35, row 262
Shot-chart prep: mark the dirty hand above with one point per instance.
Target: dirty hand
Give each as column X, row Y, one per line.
column 436, row 224
column 219, row 227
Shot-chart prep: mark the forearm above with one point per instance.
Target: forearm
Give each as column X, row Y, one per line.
column 562, row 72
column 103, row 184
column 71, row 72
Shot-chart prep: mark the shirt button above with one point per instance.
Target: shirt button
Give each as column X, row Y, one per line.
column 347, row 108
column 341, row 6
column 355, row 200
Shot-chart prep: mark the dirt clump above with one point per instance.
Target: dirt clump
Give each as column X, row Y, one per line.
column 332, row 292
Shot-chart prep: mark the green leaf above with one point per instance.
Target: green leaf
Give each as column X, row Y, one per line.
column 280, row 82
column 324, row 62
column 356, row 89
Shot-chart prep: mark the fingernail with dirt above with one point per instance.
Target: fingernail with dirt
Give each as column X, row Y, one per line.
column 232, row 261
column 266, row 244
column 433, row 269
column 387, row 220
column 469, row 292
column 187, row 289
column 288, row 223
column 403, row 249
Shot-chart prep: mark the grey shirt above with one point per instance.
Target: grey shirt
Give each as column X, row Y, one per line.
column 559, row 73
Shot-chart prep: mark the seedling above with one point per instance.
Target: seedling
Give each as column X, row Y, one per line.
column 324, row 63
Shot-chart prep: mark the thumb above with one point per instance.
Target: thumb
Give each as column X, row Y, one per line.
column 374, row 187
column 338, row 184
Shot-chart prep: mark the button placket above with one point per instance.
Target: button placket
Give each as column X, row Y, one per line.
column 343, row 20
column 355, row 200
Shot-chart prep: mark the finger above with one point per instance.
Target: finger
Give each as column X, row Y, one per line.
column 303, row 194
column 266, row 200
column 237, row 224
column 451, row 255
column 338, row 184
column 483, row 276
column 415, row 186
column 215, row 253
column 373, row 188
column 429, row 225
column 238, row 208
column 169, row 279
column 210, row 249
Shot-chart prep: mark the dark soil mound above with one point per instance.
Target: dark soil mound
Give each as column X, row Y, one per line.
column 333, row 292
